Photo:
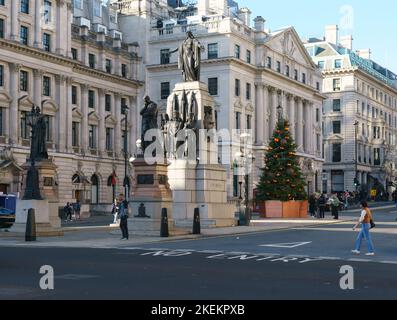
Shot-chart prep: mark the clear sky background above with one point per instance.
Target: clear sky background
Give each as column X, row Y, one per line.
column 373, row 24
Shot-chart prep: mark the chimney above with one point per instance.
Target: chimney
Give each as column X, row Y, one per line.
column 259, row 24
column 364, row 53
column 203, row 7
column 101, row 37
column 331, row 34
column 245, row 16
column 347, row 42
column 84, row 30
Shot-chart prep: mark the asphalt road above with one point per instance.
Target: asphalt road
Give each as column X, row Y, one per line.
column 292, row 264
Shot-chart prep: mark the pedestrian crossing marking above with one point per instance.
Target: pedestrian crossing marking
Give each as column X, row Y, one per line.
column 290, row 245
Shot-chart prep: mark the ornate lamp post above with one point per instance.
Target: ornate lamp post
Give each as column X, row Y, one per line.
column 125, row 184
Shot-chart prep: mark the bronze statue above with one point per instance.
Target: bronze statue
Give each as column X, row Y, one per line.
column 149, row 115
column 38, row 146
column 189, row 60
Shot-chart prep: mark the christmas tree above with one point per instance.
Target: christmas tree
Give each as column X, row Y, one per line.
column 281, row 179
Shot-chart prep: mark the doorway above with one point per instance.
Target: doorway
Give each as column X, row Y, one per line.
column 4, row 188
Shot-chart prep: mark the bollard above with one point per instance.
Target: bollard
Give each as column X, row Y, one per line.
column 30, row 234
column 196, row 222
column 164, row 233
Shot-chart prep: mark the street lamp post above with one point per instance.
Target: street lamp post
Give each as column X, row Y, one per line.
column 355, row 155
column 126, row 191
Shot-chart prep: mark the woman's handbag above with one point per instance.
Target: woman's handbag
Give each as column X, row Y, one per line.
column 373, row 225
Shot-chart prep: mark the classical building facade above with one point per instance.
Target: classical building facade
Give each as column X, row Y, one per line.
column 249, row 72
column 70, row 59
column 360, row 110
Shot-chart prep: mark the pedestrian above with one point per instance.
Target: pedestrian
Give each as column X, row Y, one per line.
column 365, row 221
column 322, row 202
column 347, row 197
column 123, row 215
column 68, row 211
column 77, row 209
column 115, row 211
column 334, row 202
column 312, row 205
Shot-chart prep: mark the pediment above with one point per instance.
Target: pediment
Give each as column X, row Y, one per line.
column 250, row 107
column 111, row 120
column 288, row 43
column 25, row 103
column 76, row 113
column 335, row 137
column 49, row 107
column 238, row 104
column 4, row 97
column 93, row 116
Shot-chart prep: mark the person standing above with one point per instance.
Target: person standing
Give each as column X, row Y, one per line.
column 123, row 215
column 312, row 205
column 68, row 211
column 335, row 206
column 115, row 211
column 322, row 202
column 365, row 221
column 77, row 209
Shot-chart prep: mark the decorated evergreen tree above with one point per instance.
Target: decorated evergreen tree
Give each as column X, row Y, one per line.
column 281, row 179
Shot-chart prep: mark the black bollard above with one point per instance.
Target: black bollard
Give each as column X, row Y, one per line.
column 196, row 222
column 164, row 233
column 30, row 234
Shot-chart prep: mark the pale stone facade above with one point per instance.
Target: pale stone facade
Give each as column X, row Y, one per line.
column 73, row 63
column 249, row 71
column 358, row 91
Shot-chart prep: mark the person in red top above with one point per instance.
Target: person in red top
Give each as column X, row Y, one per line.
column 365, row 221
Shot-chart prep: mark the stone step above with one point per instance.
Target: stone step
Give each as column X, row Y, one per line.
column 205, row 224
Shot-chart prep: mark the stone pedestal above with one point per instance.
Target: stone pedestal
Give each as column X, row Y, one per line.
column 48, row 223
column 151, row 193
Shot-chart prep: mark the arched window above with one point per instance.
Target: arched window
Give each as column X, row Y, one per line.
column 76, row 179
column 94, row 189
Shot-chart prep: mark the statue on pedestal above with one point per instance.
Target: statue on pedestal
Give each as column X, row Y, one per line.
column 38, row 145
column 189, row 60
column 149, row 115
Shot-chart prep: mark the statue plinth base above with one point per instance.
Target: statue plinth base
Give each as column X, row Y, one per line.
column 153, row 191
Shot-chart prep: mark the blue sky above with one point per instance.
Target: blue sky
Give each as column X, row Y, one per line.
column 373, row 24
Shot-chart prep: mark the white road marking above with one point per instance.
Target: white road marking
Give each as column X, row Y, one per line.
column 290, row 245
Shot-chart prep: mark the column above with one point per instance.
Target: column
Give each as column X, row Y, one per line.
column 266, row 125
column 14, row 20
column 273, row 110
column 14, row 90
column 37, row 25
column 69, row 114
column 61, row 27
column 117, row 129
column 61, row 114
column 37, row 86
column 69, row 29
column 259, row 115
column 299, row 129
column 133, row 131
column 84, row 123
column 102, row 127
column 307, row 132
column 284, row 104
column 292, row 116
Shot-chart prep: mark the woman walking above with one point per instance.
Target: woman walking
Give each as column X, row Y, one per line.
column 365, row 221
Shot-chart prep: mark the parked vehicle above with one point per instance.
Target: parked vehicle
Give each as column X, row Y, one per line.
column 7, row 218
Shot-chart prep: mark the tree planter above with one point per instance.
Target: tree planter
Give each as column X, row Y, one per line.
column 304, row 208
column 286, row 210
column 291, row 209
column 274, row 209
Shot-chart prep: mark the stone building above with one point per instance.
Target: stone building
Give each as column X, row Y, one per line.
column 360, row 109
column 69, row 58
column 250, row 71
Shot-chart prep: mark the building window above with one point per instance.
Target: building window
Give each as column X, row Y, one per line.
column 124, row 70
column 48, row 122
column 269, row 62
column 108, row 103
column 237, row 87
column 75, row 134
column 337, row 152
column 287, row 71
column 321, row 64
column 318, row 86
column 124, row 106
column 74, row 54
column 296, row 74
column 97, row 8
column 1, row 76
column 92, row 60
column 24, row 35
column 91, row 99
column 108, row 66
column 213, row 86
column 237, row 51
column 278, row 66
column 78, row 4
column 24, row 126
column 304, row 78
column 336, row 105
column 317, row 115
column 24, row 81
column 46, row 86
column 164, row 56
column 377, row 156
column 165, row 90
column 338, row 64
column 338, row 181
column 238, row 120
column 336, row 127
column 249, row 122
column 46, row 42
column 124, row 138
column 248, row 56
column 92, row 137
column 1, row 28
column 318, row 140
column 74, row 95
column 248, row 91
column 212, row 51
column 47, row 11
column 24, row 6
column 336, row 84
column 2, row 116
column 109, row 139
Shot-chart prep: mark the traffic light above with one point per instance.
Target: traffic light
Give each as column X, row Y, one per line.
column 356, row 182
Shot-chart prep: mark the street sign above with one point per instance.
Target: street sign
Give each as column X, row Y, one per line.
column 286, row 245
